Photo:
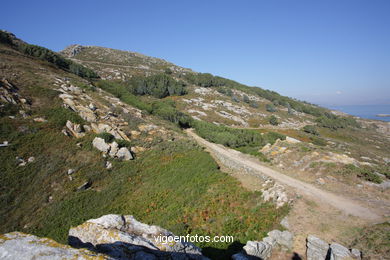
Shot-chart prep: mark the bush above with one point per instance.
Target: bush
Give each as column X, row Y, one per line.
column 310, row 129
column 48, row 55
column 254, row 104
column 270, row 108
column 235, row 99
column 334, row 122
column 318, row 141
column 273, row 120
column 246, row 99
column 159, row 86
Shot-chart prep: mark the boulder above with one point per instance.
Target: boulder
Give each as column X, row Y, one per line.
column 75, row 129
column 114, row 148
column 124, row 154
column 126, row 238
column 339, row 252
column 17, row 245
column 316, row 248
column 258, row 249
column 100, row 144
column 283, row 239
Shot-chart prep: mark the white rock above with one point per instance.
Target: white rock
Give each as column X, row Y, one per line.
column 17, row 245
column 124, row 154
column 100, row 144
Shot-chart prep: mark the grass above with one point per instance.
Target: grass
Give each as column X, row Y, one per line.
column 175, row 185
column 374, row 241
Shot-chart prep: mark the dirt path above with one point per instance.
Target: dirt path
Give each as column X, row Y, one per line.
column 307, row 190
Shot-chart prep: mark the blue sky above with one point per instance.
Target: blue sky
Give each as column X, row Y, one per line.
column 326, row 52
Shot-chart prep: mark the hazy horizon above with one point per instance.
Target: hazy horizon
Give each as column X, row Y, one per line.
column 333, row 53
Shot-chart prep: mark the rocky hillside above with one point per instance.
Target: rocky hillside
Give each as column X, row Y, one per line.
column 93, row 131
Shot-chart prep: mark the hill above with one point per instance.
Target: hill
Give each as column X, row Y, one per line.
column 92, row 131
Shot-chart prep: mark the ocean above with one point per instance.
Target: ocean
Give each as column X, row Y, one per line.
column 365, row 111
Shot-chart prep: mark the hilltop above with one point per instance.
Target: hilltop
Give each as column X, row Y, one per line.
column 93, row 131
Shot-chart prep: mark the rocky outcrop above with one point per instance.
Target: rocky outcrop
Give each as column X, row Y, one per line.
column 123, row 237
column 18, row 245
column 318, row 249
column 263, row 249
column 112, row 149
column 75, row 130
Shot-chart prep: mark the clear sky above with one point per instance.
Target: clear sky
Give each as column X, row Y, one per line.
column 329, row 52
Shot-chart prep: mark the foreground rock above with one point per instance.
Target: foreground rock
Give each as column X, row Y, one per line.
column 18, row 245
column 112, row 149
column 318, row 249
column 263, row 249
column 124, row 237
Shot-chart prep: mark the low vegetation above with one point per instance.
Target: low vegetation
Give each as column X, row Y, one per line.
column 47, row 55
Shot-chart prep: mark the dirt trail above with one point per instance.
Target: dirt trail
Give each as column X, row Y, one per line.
column 307, row 190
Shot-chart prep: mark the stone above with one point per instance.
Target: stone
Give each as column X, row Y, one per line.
column 114, row 148
column 356, row 253
column 127, row 238
column 40, row 120
column 258, row 249
column 339, row 252
column 316, row 248
column 86, row 113
column 108, row 165
column 285, row 223
column 320, row 181
column 100, row 144
column 292, row 140
column 75, row 129
column 124, row 154
column 4, row 144
column 31, row 159
column 283, row 239
column 17, row 245
column 70, row 171
column 84, row 186
column 92, row 107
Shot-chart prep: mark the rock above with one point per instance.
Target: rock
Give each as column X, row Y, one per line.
column 84, row 186
column 126, row 238
column 339, row 252
column 292, row 140
column 285, row 223
column 356, row 253
column 282, row 238
column 31, row 159
column 320, row 181
column 70, row 171
column 86, row 113
column 316, row 248
column 114, row 148
column 124, row 154
column 75, row 129
column 108, row 165
column 40, row 120
column 17, row 245
column 92, row 107
column 100, row 144
column 258, row 249
column 385, row 185
column 4, row 144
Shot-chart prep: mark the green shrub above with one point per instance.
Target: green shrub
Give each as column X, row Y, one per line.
column 318, row 141
column 270, row 108
column 159, row 86
column 334, row 122
column 273, row 120
column 49, row 56
column 310, row 129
